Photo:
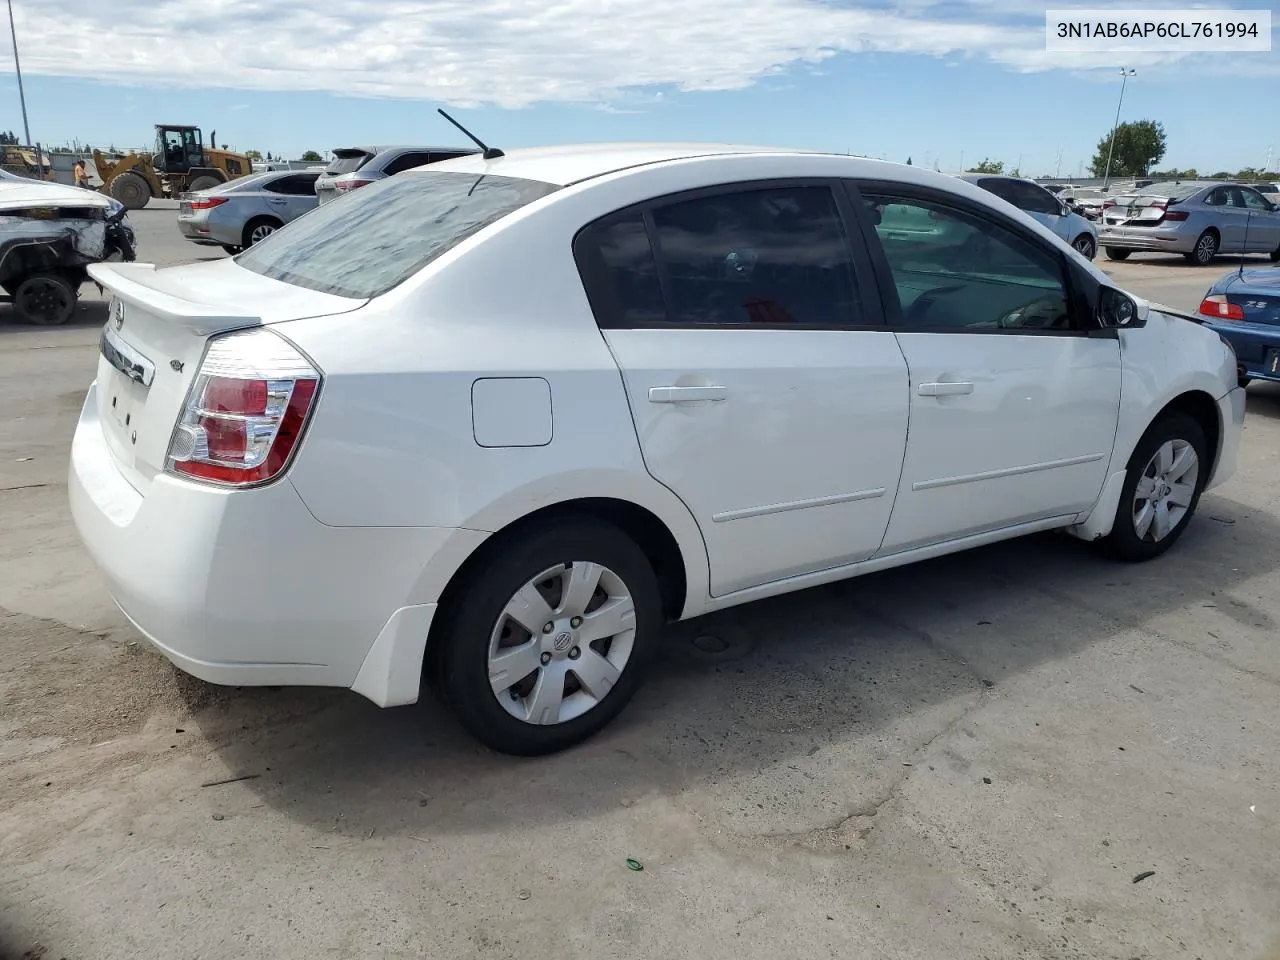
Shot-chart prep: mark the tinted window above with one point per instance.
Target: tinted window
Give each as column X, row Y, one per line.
column 623, row 246
column 406, row 161
column 954, row 270
column 756, row 256
column 1036, row 199
column 303, row 184
column 1218, row 197
column 1001, row 188
column 347, row 161
column 382, row 234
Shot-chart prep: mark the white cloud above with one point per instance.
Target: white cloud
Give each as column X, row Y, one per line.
column 514, row 53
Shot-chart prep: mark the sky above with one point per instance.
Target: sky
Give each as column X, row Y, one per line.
column 942, row 82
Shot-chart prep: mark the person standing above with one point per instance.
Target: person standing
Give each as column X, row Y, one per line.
column 81, row 173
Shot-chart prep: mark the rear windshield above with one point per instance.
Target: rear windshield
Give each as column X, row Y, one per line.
column 374, row 239
column 1172, row 191
column 347, row 161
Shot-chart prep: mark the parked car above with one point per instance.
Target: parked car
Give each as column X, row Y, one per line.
column 582, row 391
column 354, row 167
column 239, row 213
column 1244, row 307
column 1269, row 190
column 1196, row 219
column 1053, row 212
column 49, row 234
column 1086, row 201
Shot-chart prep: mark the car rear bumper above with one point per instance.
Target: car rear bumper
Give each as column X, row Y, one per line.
column 247, row 588
column 1134, row 239
column 210, row 232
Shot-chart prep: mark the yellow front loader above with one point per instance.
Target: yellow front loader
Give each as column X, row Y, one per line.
column 181, row 163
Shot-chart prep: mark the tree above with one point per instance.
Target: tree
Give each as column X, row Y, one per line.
column 993, row 167
column 908, row 161
column 253, row 154
column 1139, row 145
column 9, row 138
column 311, row 157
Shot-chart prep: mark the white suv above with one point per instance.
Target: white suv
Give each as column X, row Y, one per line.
column 497, row 421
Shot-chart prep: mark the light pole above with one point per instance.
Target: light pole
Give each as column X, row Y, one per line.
column 1125, row 74
column 17, row 69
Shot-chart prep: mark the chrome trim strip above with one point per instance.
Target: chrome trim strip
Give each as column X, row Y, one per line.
column 1007, row 472
column 773, row 508
column 126, row 359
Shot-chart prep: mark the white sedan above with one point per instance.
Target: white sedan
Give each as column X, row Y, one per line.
column 496, row 421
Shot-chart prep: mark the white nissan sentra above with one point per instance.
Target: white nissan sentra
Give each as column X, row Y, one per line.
column 495, row 421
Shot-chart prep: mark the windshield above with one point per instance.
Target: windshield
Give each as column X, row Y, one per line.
column 1171, row 191
column 370, row 241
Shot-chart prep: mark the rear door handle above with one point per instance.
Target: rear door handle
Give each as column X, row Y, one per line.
column 686, row 394
column 944, row 389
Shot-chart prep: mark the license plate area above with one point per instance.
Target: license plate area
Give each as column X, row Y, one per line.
column 1272, row 364
column 184, row 209
column 122, row 405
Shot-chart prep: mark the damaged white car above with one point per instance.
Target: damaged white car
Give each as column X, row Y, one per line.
column 49, row 234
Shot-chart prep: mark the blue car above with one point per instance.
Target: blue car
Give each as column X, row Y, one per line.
column 1244, row 308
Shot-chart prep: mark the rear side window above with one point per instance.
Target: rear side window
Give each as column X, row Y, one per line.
column 406, row 161
column 754, row 256
column 299, row 185
column 384, row 233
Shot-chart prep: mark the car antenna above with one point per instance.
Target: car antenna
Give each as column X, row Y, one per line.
column 490, row 153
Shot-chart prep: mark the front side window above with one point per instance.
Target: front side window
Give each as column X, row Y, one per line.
column 758, row 256
column 384, row 233
column 954, row 270
column 1254, row 200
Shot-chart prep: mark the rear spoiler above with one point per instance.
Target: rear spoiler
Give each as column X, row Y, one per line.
column 138, row 284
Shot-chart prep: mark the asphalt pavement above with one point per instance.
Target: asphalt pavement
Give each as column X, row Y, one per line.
column 1024, row 751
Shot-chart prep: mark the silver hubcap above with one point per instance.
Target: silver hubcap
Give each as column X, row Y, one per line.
column 261, row 232
column 561, row 643
column 1085, row 246
column 1165, row 490
column 1206, row 248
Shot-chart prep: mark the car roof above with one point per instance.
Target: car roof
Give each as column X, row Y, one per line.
column 573, row 163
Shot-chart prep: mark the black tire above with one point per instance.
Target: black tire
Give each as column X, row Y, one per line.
column 461, row 654
column 230, row 249
column 45, row 299
column 1086, row 246
column 1123, row 542
column 1243, row 382
column 1205, row 251
column 1117, row 253
column 204, row 183
column 132, row 190
column 257, row 229
column 1275, row 255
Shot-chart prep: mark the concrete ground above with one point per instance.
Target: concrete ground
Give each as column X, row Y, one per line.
column 977, row 757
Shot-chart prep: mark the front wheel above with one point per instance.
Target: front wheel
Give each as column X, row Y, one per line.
column 45, row 299
column 1085, row 246
column 1166, row 475
column 549, row 639
column 1117, row 253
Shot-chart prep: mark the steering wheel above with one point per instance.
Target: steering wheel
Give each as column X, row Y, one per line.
column 1043, row 313
column 924, row 303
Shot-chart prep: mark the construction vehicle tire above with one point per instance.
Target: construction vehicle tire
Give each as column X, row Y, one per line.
column 203, row 183
column 131, row 190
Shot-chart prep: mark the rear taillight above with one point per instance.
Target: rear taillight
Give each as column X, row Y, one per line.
column 344, row 185
column 207, row 203
column 1108, row 204
column 1177, row 215
column 246, row 410
column 1218, row 307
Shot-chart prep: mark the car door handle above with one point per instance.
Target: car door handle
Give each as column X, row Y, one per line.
column 686, row 394
column 278, row 203
column 944, row 389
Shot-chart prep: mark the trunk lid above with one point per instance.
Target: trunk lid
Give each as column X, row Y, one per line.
column 158, row 324
column 1257, row 293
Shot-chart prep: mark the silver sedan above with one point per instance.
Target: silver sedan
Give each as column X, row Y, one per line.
column 239, row 213
column 1196, row 219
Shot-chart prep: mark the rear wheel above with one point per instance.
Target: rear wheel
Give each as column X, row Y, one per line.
column 1275, row 255
column 1086, row 246
column 258, row 229
column 203, row 183
column 230, row 249
column 1205, row 250
column 548, row 640
column 131, row 190
column 1166, row 475
column 45, row 299
column 1118, row 253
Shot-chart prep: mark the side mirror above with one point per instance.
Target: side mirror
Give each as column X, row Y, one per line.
column 1117, row 310
column 1065, row 209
